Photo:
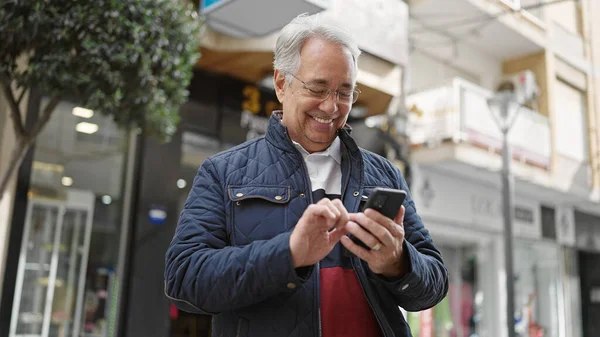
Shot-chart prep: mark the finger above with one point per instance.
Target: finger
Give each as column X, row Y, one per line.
column 356, row 249
column 399, row 219
column 337, row 203
column 336, row 234
column 384, row 221
column 322, row 211
column 363, row 235
column 380, row 231
column 327, row 203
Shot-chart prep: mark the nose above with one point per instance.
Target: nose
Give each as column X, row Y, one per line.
column 330, row 105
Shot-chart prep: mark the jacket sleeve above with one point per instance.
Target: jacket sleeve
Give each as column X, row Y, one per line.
column 204, row 274
column 426, row 282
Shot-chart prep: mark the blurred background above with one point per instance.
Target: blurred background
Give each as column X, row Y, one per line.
column 84, row 230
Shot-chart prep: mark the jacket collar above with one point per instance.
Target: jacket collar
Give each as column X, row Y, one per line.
column 334, row 150
column 277, row 135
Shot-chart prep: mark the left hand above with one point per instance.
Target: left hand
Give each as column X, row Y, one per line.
column 384, row 236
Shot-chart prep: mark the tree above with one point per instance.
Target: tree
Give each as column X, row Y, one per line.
column 129, row 59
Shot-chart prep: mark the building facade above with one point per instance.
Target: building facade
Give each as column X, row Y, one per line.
column 457, row 61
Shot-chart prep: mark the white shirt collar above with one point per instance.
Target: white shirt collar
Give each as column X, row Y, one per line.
column 334, row 150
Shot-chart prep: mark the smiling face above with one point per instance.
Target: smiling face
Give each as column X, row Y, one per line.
column 311, row 121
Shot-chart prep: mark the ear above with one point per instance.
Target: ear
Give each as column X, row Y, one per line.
column 280, row 84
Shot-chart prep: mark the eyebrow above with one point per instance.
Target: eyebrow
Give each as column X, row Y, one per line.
column 325, row 82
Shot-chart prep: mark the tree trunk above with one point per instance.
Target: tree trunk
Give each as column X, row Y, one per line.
column 16, row 157
column 24, row 141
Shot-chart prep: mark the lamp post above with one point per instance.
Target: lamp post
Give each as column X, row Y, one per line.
column 505, row 107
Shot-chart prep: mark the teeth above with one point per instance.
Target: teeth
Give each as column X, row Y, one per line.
column 321, row 120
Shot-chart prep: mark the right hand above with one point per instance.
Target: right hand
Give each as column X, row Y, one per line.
column 312, row 238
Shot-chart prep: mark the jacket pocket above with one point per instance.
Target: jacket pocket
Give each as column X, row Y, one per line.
column 257, row 212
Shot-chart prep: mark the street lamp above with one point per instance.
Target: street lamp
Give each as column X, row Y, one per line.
column 505, row 105
column 505, row 108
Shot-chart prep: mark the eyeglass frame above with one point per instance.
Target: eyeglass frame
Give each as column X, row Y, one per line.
column 330, row 90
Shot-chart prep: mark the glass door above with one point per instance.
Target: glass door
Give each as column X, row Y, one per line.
column 52, row 265
column 460, row 313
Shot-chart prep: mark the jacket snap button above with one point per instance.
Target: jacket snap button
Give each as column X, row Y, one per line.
column 238, row 203
column 291, row 285
column 278, row 197
column 302, row 195
column 239, row 195
column 355, row 193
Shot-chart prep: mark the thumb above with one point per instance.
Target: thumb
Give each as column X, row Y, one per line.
column 399, row 219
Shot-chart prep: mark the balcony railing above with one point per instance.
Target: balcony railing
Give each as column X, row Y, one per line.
column 459, row 112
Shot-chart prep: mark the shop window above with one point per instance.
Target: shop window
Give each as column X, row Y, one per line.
column 460, row 314
column 537, row 288
column 67, row 280
column 548, row 222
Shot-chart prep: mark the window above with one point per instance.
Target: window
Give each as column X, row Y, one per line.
column 537, row 288
column 570, row 131
column 68, row 274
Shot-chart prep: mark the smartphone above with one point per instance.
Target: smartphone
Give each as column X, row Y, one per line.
column 386, row 201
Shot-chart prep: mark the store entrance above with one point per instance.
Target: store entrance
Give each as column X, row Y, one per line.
column 460, row 313
column 589, row 267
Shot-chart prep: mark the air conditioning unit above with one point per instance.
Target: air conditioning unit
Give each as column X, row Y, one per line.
column 524, row 85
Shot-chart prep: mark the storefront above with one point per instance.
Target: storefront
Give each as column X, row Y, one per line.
column 62, row 262
column 465, row 219
column 100, row 207
column 588, row 245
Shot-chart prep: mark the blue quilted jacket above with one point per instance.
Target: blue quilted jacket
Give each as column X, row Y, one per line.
column 230, row 255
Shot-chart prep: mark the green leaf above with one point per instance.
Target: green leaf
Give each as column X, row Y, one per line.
column 129, row 59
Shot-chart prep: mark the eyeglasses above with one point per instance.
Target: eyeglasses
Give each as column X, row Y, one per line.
column 322, row 92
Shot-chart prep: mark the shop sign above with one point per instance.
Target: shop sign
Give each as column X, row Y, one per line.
column 252, row 19
column 446, row 198
column 157, row 215
column 256, row 110
column 565, row 226
column 211, row 4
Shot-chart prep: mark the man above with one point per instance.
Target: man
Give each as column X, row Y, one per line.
column 262, row 240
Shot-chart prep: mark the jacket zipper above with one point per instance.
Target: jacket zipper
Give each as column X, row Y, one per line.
column 318, row 291
column 317, row 266
column 362, row 286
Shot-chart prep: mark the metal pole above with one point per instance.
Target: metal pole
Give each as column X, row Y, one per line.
column 507, row 203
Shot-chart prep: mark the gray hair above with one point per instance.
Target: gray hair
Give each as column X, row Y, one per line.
column 301, row 28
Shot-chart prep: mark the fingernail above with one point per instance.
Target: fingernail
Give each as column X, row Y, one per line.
column 376, row 247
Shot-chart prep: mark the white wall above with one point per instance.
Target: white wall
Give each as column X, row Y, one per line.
column 431, row 66
column 426, row 71
column 565, row 15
